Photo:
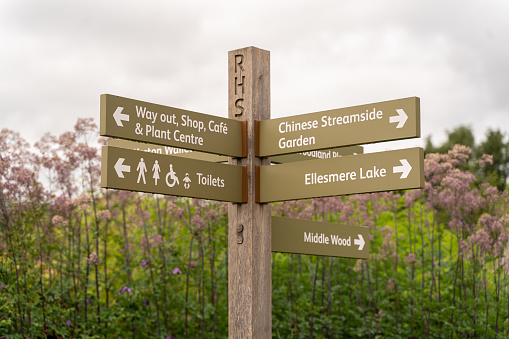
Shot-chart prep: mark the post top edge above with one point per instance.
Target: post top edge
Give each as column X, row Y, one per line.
column 247, row 48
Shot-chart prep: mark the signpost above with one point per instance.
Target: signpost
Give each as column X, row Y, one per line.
column 319, row 238
column 168, row 126
column 320, row 154
column 155, row 173
column 164, row 144
column 280, row 159
column 249, row 254
column 381, row 121
column 373, row 172
column 167, row 150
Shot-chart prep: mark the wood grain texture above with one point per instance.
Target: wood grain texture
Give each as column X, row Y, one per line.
column 249, row 252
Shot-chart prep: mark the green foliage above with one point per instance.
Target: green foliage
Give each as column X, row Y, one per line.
column 92, row 263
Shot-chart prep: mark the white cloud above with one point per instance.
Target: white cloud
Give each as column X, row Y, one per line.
column 57, row 57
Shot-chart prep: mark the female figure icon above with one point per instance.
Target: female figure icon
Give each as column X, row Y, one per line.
column 156, row 170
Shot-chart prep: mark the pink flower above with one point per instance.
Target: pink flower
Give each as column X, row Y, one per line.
column 104, row 215
column 410, row 258
column 197, row 221
column 58, row 221
column 93, row 259
column 486, row 159
column 125, row 289
column 176, row 270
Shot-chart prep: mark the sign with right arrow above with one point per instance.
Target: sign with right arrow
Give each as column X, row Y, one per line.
column 362, row 173
column 319, row 238
column 381, row 121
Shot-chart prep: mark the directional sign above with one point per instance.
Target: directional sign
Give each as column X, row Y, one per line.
column 140, row 171
column 162, row 125
column 279, row 159
column 321, row 154
column 381, row 121
column 167, row 150
column 363, row 173
column 319, row 238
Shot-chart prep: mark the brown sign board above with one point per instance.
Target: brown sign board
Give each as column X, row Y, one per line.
column 278, row 159
column 363, row 173
column 319, row 154
column 167, row 150
column 139, row 171
column 381, row 121
column 319, row 238
column 136, row 120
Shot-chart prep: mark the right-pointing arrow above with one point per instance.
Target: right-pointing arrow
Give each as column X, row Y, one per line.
column 401, row 118
column 404, row 169
column 120, row 167
column 360, row 242
column 119, row 116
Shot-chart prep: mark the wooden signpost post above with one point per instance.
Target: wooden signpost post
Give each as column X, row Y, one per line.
column 167, row 151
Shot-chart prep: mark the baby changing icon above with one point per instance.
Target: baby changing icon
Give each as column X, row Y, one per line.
column 171, row 174
column 187, row 181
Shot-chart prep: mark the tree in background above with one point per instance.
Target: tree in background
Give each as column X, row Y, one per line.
column 461, row 135
column 495, row 144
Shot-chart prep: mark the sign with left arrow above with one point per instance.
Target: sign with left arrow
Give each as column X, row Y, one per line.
column 140, row 171
column 167, row 150
column 319, row 238
column 362, row 173
column 136, row 120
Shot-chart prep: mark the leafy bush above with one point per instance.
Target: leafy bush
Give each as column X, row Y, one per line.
column 77, row 261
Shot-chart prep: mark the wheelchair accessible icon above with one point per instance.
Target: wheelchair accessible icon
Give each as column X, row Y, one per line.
column 172, row 175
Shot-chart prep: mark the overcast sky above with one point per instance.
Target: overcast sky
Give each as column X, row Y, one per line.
column 57, row 57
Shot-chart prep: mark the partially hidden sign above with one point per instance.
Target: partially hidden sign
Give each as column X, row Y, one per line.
column 363, row 173
column 136, row 120
column 319, row 238
column 167, row 150
column 320, row 154
column 140, row 171
column 381, row 121
column 279, row 159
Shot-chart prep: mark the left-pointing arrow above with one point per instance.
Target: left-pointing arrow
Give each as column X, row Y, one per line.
column 119, row 116
column 120, row 167
column 360, row 242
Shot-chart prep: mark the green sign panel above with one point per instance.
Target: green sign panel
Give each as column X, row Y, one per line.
column 381, row 121
column 167, row 150
column 136, row 120
column 319, row 238
column 363, row 173
column 320, row 154
column 140, row 171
